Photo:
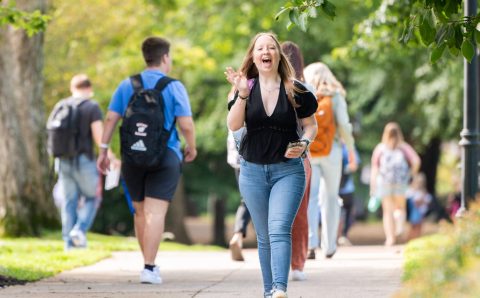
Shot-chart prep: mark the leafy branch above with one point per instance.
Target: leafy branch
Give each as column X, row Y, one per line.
column 31, row 22
column 442, row 28
column 300, row 10
column 437, row 24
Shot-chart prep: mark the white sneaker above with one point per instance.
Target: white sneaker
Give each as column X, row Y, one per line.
column 279, row 294
column 150, row 277
column 343, row 241
column 298, row 275
column 78, row 238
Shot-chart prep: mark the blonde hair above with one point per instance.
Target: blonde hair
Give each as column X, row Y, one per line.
column 420, row 181
column 317, row 73
column 285, row 69
column 392, row 135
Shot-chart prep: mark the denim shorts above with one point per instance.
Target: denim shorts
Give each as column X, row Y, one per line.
column 159, row 182
column 384, row 189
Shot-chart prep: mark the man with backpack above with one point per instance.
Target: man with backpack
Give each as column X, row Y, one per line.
column 150, row 105
column 74, row 124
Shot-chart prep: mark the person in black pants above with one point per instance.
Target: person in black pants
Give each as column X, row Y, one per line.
column 242, row 217
column 347, row 194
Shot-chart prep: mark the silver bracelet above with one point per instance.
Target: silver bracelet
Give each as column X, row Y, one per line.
column 103, row 146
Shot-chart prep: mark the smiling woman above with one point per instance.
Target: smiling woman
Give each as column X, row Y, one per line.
column 272, row 176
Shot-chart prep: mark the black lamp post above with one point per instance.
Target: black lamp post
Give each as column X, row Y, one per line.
column 469, row 134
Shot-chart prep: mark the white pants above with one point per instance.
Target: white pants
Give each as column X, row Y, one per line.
column 324, row 199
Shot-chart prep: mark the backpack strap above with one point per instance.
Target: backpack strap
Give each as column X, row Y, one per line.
column 163, row 82
column 137, row 82
column 159, row 86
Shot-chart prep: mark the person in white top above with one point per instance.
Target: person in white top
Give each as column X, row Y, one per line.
column 327, row 169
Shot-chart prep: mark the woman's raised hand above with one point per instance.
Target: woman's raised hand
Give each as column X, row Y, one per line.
column 238, row 80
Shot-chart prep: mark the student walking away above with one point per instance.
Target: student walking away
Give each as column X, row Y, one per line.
column 73, row 126
column 418, row 202
column 393, row 164
column 347, row 194
column 272, row 177
column 300, row 224
column 150, row 105
column 242, row 216
column 334, row 127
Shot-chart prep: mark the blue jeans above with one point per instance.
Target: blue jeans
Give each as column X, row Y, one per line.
column 273, row 193
column 77, row 177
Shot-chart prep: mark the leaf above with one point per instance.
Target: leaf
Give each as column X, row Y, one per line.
column 440, row 37
column 439, row 13
column 468, row 50
column 437, row 53
column 450, row 35
column 430, row 18
column 408, row 36
column 454, row 51
column 458, row 36
column 477, row 36
column 452, row 8
column 329, row 9
column 293, row 15
column 290, row 25
column 283, row 10
column 427, row 32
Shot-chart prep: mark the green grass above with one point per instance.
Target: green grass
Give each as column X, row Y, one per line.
column 36, row 258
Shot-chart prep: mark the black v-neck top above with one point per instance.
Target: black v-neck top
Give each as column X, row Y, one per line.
column 267, row 137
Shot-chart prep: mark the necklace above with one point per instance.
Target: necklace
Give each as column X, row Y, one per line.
column 270, row 90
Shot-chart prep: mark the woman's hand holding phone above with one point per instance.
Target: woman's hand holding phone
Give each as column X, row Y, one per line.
column 295, row 149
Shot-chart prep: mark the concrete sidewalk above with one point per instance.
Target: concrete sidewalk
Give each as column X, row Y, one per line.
column 357, row 271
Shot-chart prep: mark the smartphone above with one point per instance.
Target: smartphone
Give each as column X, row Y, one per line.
column 297, row 143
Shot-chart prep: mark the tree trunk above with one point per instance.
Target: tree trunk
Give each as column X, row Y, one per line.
column 175, row 220
column 25, row 202
column 430, row 159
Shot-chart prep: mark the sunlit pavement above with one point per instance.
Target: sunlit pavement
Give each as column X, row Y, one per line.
column 356, row 271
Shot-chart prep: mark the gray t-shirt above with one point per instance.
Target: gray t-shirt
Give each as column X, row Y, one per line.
column 89, row 112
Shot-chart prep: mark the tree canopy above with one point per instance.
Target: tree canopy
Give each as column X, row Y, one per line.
column 437, row 24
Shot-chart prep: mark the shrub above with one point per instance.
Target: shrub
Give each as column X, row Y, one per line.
column 446, row 264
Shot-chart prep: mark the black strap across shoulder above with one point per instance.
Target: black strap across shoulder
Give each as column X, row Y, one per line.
column 164, row 81
column 137, row 82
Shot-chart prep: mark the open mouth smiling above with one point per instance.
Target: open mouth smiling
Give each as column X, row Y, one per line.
column 267, row 61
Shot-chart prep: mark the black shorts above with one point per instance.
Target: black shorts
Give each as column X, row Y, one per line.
column 159, row 182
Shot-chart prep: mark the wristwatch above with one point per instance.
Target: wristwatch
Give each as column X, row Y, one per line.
column 307, row 141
